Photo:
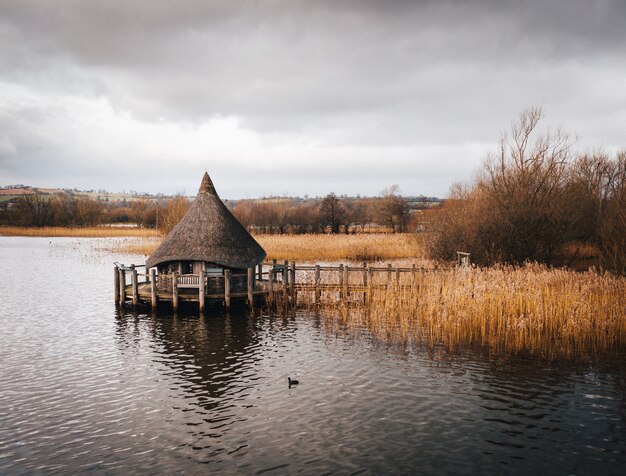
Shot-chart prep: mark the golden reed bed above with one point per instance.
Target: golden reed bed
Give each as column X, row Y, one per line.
column 535, row 310
column 86, row 232
column 360, row 247
column 313, row 248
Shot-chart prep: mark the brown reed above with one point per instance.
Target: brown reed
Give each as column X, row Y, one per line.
column 534, row 310
column 359, row 247
column 78, row 232
column 311, row 248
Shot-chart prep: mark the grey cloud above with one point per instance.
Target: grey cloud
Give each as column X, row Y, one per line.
column 372, row 73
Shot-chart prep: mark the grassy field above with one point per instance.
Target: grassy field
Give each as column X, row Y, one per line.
column 311, row 248
column 87, row 232
column 535, row 310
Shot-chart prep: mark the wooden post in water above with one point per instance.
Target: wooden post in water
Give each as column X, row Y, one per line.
column 270, row 283
column 341, row 293
column 346, row 281
column 317, row 283
column 250, row 288
column 201, row 291
column 175, row 291
column 285, row 277
column 135, row 287
column 292, row 281
column 227, row 288
column 364, row 281
column 369, row 284
column 122, row 286
column 116, row 284
column 153, row 289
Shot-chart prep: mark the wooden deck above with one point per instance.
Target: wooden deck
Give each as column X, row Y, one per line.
column 269, row 282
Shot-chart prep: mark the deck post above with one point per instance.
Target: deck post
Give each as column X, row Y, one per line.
column 317, row 283
column 122, row 286
column 364, row 281
column 346, row 281
column 227, row 288
column 201, row 289
column 389, row 275
column 175, row 290
column 260, row 272
column 270, row 283
column 341, row 281
column 135, row 287
column 116, row 284
column 292, row 280
column 153, row 290
column 285, row 277
column 250, row 288
column 368, row 285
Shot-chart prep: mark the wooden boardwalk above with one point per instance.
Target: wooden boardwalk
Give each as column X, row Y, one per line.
column 266, row 283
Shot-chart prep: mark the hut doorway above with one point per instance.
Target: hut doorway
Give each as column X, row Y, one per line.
column 186, row 267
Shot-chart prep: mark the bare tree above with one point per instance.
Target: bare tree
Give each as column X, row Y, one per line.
column 174, row 212
column 332, row 212
column 35, row 210
column 393, row 208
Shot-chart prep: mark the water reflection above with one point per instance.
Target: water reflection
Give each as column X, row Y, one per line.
column 367, row 405
column 86, row 388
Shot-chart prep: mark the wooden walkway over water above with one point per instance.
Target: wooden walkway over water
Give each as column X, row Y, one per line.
column 267, row 283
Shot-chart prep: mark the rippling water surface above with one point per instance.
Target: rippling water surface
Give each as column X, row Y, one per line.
column 87, row 388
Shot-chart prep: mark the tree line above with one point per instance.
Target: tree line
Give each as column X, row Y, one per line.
column 389, row 211
column 532, row 199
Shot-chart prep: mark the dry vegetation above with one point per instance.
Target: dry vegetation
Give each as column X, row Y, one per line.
column 310, row 248
column 80, row 232
column 530, row 309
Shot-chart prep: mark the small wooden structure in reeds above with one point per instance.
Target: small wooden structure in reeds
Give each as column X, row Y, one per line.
column 208, row 256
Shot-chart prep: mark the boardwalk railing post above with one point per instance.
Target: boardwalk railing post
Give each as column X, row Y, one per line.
column 341, row 293
column 285, row 277
column 175, row 291
column 153, row 289
column 122, row 286
column 346, row 281
column 201, row 291
column 317, row 283
column 292, row 281
column 270, row 283
column 398, row 278
column 388, row 275
column 368, row 285
column 116, row 284
column 364, row 280
column 135, row 287
column 414, row 276
column 227, row 288
column 250, row 288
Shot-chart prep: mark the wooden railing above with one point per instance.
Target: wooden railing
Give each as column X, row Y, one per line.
column 271, row 279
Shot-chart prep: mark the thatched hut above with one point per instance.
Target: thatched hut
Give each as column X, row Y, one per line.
column 208, row 241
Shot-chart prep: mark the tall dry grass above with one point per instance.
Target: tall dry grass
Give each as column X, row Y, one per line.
column 310, row 248
column 359, row 247
column 551, row 313
column 78, row 232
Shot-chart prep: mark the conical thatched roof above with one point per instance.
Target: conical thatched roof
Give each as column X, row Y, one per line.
column 209, row 232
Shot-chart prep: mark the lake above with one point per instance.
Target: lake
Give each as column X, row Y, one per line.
column 86, row 387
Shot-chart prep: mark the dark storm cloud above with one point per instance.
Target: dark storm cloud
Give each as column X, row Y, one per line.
column 371, row 73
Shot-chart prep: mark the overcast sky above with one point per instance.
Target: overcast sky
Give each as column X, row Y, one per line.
column 295, row 98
